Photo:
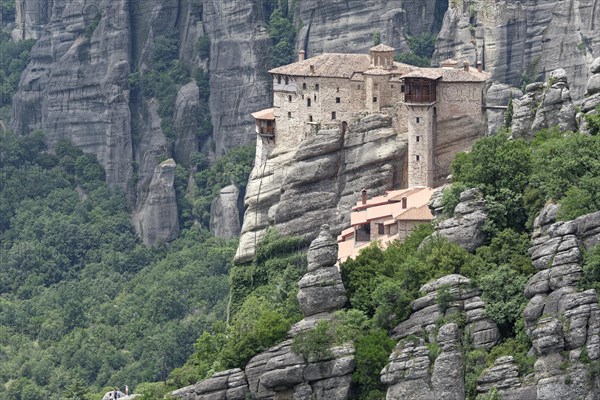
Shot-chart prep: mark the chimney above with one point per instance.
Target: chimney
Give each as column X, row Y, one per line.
column 466, row 66
column 301, row 55
column 404, row 203
column 364, row 196
column 479, row 66
column 312, row 69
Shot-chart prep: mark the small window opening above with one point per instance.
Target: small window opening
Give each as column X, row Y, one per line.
column 401, row 88
column 418, row 120
column 338, row 89
column 392, row 86
column 418, row 138
column 308, row 102
column 374, row 99
column 338, row 100
column 310, row 118
column 290, row 98
column 315, row 97
column 278, row 79
column 287, row 80
column 304, row 86
column 289, row 115
column 333, row 116
column 418, row 158
column 380, row 229
column 317, row 86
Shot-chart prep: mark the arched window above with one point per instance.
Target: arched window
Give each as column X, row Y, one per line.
column 308, row 102
column 310, row 118
column 304, row 86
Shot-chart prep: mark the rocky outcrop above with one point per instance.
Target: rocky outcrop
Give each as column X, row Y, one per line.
column 156, row 221
column 321, row 289
column 465, row 227
column 186, row 125
column 320, row 180
column 30, row 18
column 497, row 97
column 279, row 373
column 544, row 106
column 464, row 298
column 521, row 41
column 224, row 213
column 590, row 104
column 562, row 321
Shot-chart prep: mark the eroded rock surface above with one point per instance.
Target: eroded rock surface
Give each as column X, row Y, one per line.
column 319, row 181
column 224, row 213
column 465, row 228
column 156, row 221
column 590, row 104
column 278, row 373
column 519, row 40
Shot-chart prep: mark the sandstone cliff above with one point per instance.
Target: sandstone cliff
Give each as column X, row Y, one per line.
column 521, row 41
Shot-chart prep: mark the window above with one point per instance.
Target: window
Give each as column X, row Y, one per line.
column 304, row 86
column 418, row 158
column 374, row 99
column 287, row 80
column 269, row 123
column 308, row 102
column 310, row 119
column 418, row 120
column 289, row 115
column 333, row 116
column 338, row 89
column 380, row 229
column 392, row 86
column 418, row 138
column 338, row 100
column 290, row 98
column 278, row 79
column 358, row 87
column 317, row 87
column 315, row 97
column 401, row 88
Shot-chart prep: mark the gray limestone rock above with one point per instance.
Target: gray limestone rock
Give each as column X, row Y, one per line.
column 498, row 95
column 186, row 125
column 156, row 221
column 522, row 40
column 224, row 213
column 465, row 228
column 320, row 180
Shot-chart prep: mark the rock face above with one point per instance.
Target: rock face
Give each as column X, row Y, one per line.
column 186, row 127
column 156, row 220
column 497, row 96
column 320, row 180
column 77, row 85
column 30, row 18
column 591, row 102
column 224, row 213
column 562, row 321
column 413, row 372
column 278, row 373
column 544, row 106
column 520, row 41
column 465, row 228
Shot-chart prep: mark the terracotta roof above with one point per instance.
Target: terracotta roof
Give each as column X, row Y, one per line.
column 390, row 205
column 427, row 73
column 331, row 65
column 382, row 47
column 449, row 74
column 266, row 114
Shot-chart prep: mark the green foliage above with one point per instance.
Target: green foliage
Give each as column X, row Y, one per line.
column 151, row 390
column 7, row 11
column 371, row 354
column 475, row 363
column 518, row 349
column 593, row 121
column 451, row 197
column 204, row 47
column 283, row 36
column 92, row 25
column 444, row 297
column 508, row 114
column 82, row 299
column 591, row 269
column 376, row 38
column 421, row 49
column 15, row 57
column 315, row 344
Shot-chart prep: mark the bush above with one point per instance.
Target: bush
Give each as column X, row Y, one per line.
column 315, row 344
column 371, row 355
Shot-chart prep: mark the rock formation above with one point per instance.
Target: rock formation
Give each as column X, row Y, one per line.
column 156, row 221
column 224, row 213
column 521, row 41
column 562, row 321
column 544, row 106
column 298, row 189
column 412, row 373
column 186, row 126
column 278, row 373
column 465, row 227
column 498, row 96
column 591, row 102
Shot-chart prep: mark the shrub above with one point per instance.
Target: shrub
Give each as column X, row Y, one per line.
column 315, row 344
column 372, row 352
